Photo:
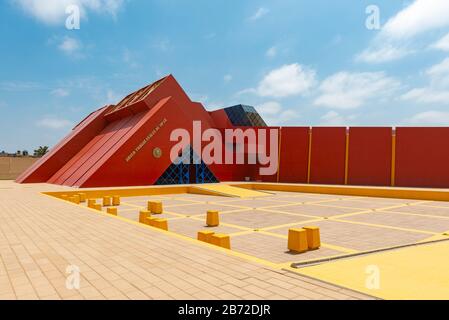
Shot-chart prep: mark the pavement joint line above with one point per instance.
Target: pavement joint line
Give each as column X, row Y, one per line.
column 433, row 206
column 337, row 207
column 351, row 214
column 179, row 236
column 225, row 224
column 221, row 212
column 384, row 226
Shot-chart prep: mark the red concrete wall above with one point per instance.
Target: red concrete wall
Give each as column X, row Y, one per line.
column 422, row 157
column 294, row 154
column 328, row 155
column 369, row 156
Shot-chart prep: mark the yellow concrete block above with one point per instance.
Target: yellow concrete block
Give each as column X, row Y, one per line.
column 213, row 218
column 221, row 240
column 143, row 214
column 160, row 224
column 75, row 199
column 297, row 240
column 107, row 201
column 155, row 207
column 97, row 207
column 91, row 203
column 313, row 237
column 65, row 197
column 149, row 221
column 112, row 211
column 82, row 197
column 116, row 200
column 205, row 235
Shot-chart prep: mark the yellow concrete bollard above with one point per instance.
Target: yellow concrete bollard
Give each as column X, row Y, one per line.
column 150, row 221
column 161, row 224
column 205, row 235
column 112, row 211
column 76, row 198
column 155, row 207
column 91, row 203
column 65, row 197
column 221, row 240
column 297, row 240
column 97, row 207
column 213, row 219
column 143, row 214
column 313, row 237
column 82, row 197
column 116, row 200
column 107, row 201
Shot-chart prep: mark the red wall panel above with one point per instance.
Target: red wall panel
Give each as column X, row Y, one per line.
column 328, row 155
column 422, row 157
column 294, row 154
column 369, row 156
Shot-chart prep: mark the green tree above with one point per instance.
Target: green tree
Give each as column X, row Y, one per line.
column 41, row 151
column 25, row 153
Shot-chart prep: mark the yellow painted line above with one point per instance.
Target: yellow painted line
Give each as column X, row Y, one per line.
column 414, row 273
column 309, row 157
column 383, row 226
column 289, row 213
column 347, row 157
column 225, row 224
column 227, row 190
column 393, row 160
column 350, row 214
column 433, row 206
column 292, row 224
column 431, row 216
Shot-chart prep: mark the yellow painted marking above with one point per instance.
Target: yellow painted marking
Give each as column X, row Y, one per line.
column 393, row 160
column 292, row 224
column 309, row 157
column 431, row 216
column 223, row 224
column 383, row 226
column 279, row 154
column 410, row 273
column 230, row 191
column 288, row 213
column 350, row 214
column 347, row 157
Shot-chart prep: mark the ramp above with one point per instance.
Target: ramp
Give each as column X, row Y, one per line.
column 228, row 191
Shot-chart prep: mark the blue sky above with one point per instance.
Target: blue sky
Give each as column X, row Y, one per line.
column 298, row 62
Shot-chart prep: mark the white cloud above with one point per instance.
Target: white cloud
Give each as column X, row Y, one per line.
column 227, row 78
column 442, row 44
column 427, row 95
column 16, row 86
column 60, row 92
column 51, row 122
column 436, row 118
column 346, row 90
column 260, row 13
column 288, row 80
column 272, row 52
column 383, row 53
column 269, row 108
column 417, row 18
column 437, row 91
column 53, row 11
column 274, row 114
column 70, row 46
column 333, row 118
column 396, row 38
